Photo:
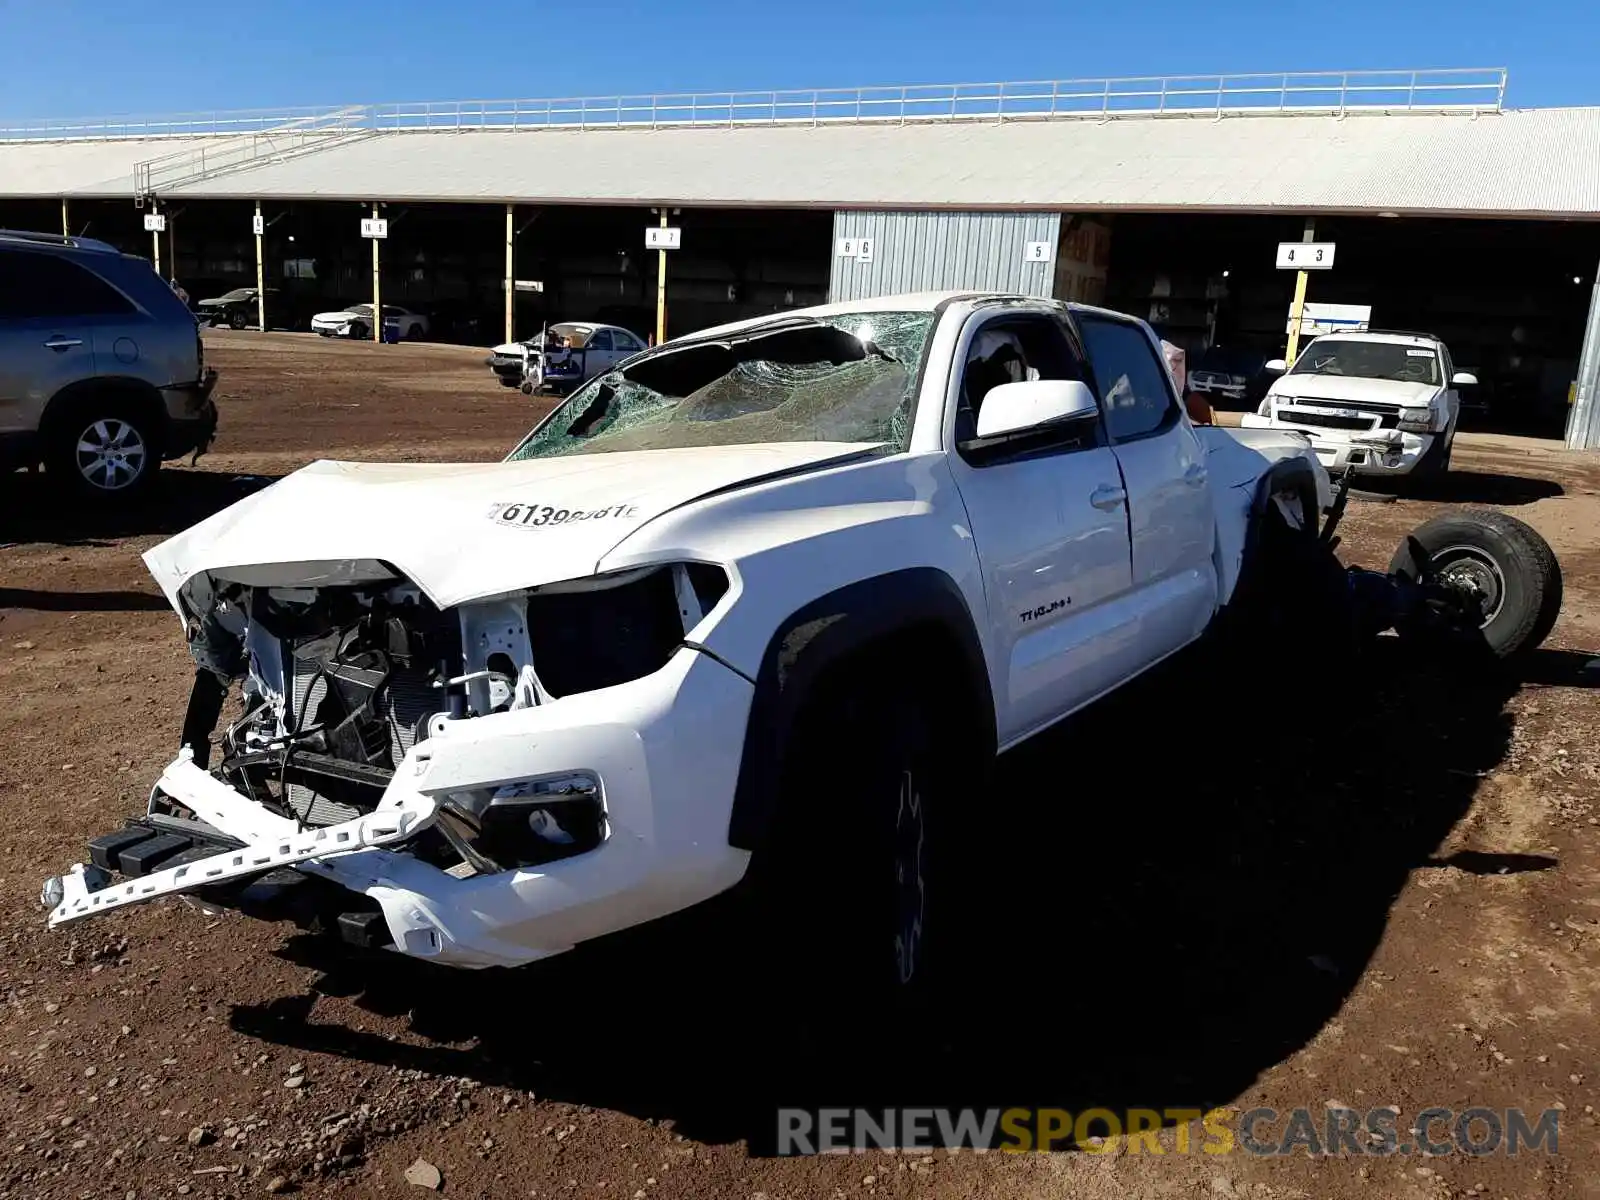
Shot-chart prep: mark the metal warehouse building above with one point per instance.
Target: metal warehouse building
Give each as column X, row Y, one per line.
column 1450, row 211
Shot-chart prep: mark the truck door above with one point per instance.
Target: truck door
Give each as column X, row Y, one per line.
column 1050, row 527
column 1164, row 470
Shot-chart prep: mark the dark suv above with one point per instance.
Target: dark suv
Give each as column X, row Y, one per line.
column 102, row 370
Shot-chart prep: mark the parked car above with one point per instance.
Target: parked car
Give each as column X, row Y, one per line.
column 356, row 322
column 1382, row 403
column 102, row 368
column 1231, row 379
column 755, row 610
column 506, row 361
column 573, row 353
column 237, row 309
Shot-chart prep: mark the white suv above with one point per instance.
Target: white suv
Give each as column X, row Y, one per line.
column 1382, row 403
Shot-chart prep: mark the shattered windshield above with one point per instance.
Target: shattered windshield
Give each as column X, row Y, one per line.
column 1369, row 360
column 850, row 377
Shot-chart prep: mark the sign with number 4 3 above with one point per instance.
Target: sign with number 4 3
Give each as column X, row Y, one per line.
column 1305, row 256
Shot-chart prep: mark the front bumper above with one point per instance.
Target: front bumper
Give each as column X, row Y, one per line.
column 665, row 748
column 1381, row 453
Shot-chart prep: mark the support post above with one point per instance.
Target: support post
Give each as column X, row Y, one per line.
column 261, row 285
column 1298, row 307
column 172, row 245
column 155, row 237
column 511, row 270
column 377, row 288
column 661, row 287
column 66, row 228
column 1583, row 422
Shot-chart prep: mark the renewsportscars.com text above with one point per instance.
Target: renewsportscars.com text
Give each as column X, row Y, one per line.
column 1265, row 1132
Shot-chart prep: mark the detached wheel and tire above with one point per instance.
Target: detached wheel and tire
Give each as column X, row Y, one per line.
column 1503, row 562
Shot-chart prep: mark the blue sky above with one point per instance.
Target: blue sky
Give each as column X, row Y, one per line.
column 98, row 57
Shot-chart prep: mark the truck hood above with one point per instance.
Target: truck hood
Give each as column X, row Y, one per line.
column 460, row 531
column 1334, row 388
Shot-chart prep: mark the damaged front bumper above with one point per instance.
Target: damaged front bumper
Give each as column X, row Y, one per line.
column 1381, row 452
column 664, row 751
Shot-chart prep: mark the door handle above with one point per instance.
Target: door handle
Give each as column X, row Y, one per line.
column 1108, row 497
column 1195, row 475
column 62, row 343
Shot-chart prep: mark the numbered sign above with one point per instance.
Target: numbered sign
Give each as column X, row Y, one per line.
column 1036, row 252
column 258, row 225
column 155, row 223
column 858, row 248
column 1305, row 256
column 374, row 227
column 663, row 237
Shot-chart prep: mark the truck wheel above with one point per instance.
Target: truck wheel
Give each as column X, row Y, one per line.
column 855, row 873
column 104, row 450
column 1435, row 464
column 1502, row 561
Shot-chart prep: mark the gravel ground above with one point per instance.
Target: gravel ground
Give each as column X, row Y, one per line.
column 1378, row 890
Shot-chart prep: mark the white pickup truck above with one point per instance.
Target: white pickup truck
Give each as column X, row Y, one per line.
column 811, row 571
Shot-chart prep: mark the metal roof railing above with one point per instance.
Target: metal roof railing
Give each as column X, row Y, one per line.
column 1474, row 89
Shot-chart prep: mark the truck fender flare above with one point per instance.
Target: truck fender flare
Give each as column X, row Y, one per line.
column 822, row 634
column 1286, row 475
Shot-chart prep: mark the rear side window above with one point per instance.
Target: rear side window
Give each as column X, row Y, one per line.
column 46, row 285
column 600, row 341
column 1134, row 387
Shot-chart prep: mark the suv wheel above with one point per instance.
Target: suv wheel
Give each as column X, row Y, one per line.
column 105, row 451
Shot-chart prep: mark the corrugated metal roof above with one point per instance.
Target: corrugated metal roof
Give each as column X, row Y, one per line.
column 1535, row 162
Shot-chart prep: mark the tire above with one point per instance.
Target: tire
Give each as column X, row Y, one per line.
column 105, row 450
column 852, row 894
column 360, row 333
column 1504, row 560
column 237, row 319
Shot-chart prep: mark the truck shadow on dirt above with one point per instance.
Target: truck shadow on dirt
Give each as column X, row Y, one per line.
column 1470, row 487
column 33, row 511
column 1193, row 878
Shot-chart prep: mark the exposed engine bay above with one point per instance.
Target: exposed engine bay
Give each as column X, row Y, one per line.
column 338, row 683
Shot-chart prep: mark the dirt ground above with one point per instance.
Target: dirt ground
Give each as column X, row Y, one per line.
column 1379, row 889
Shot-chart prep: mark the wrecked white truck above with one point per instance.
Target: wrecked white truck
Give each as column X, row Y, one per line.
column 806, row 573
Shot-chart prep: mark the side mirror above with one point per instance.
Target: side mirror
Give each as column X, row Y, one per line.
column 1017, row 407
column 1276, row 365
column 1463, row 379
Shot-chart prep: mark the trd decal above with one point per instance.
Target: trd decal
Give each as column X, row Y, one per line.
column 1044, row 610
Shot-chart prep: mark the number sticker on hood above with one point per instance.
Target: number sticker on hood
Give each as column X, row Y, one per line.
column 535, row 516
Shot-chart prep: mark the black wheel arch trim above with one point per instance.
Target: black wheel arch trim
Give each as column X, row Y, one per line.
column 822, row 634
column 1286, row 475
column 123, row 386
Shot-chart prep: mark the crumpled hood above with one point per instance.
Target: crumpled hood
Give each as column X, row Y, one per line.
column 461, row 531
column 1333, row 388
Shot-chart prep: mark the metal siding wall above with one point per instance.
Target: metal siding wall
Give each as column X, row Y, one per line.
column 932, row 251
column 1583, row 423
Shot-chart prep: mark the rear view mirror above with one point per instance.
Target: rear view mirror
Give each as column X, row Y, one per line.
column 1016, row 407
column 1463, row 379
column 1276, row 365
